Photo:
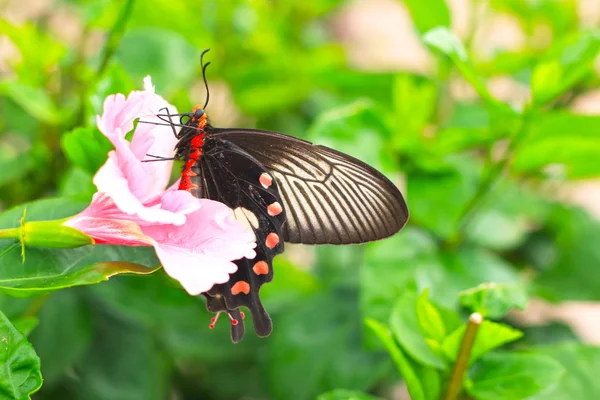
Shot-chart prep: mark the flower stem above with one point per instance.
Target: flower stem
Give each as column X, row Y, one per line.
column 10, row 233
column 464, row 353
column 115, row 35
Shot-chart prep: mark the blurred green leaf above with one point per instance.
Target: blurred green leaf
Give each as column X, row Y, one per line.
column 35, row 101
column 342, row 394
column 407, row 371
column 325, row 352
column 581, row 363
column 568, row 275
column 77, row 182
column 443, row 40
column 25, row 325
column 428, row 14
column 46, row 269
column 40, row 53
column 292, row 285
column 565, row 65
column 346, row 127
column 560, row 139
column 494, row 300
column 61, row 344
column 390, row 265
column 16, row 158
column 140, row 373
column 489, row 336
column 405, row 326
column 464, row 268
column 515, row 376
column 19, row 365
column 166, row 56
column 86, row 148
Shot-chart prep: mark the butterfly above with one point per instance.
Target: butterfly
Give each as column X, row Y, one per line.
column 286, row 190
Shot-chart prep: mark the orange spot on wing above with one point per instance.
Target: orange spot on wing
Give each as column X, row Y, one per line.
column 240, row 287
column 274, row 209
column 272, row 240
column 265, row 180
column 261, row 268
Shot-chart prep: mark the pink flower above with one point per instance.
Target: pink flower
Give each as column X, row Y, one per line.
column 195, row 239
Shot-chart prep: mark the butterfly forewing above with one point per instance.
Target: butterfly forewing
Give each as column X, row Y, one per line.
column 330, row 197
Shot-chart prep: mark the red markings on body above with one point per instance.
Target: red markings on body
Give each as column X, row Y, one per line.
column 265, row 180
column 272, row 240
column 274, row 209
column 261, row 268
column 240, row 287
column 195, row 153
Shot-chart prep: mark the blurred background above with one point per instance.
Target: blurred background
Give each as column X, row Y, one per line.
column 492, row 198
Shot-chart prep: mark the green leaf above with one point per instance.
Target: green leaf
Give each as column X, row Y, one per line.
column 581, row 364
column 61, row 345
column 86, row 148
column 494, row 300
column 489, row 336
column 443, row 40
column 562, row 139
column 515, row 376
column 566, row 64
column 326, row 352
column 343, row 394
column 428, row 14
column 35, row 101
column 19, row 365
column 47, row 269
column 415, row 389
column 430, row 320
column 405, row 326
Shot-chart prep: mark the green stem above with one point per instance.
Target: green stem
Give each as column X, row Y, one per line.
column 10, row 233
column 462, row 360
column 115, row 35
column 494, row 172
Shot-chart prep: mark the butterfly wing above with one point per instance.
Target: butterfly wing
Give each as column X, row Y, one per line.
column 330, row 197
column 228, row 174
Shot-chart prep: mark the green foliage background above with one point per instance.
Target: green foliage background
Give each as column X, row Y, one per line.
column 482, row 179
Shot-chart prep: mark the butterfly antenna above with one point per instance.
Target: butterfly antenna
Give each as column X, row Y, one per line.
column 204, row 75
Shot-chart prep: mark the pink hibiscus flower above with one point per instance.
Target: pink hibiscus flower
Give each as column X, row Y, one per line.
column 195, row 239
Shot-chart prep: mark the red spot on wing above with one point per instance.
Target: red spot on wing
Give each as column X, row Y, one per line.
column 265, row 180
column 240, row 287
column 274, row 209
column 261, row 268
column 272, row 240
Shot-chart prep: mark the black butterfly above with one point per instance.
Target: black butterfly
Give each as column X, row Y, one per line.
column 287, row 190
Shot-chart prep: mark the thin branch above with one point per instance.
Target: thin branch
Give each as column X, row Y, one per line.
column 462, row 360
column 493, row 174
column 115, row 35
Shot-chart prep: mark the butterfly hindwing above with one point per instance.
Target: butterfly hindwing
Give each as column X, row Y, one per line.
column 230, row 175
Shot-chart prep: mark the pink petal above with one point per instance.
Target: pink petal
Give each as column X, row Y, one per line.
column 209, row 240
column 195, row 271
